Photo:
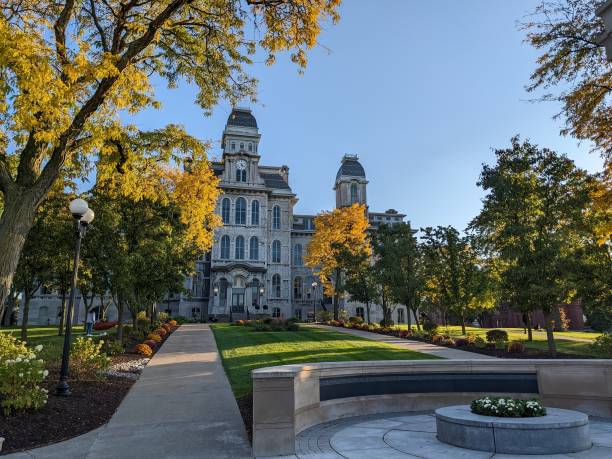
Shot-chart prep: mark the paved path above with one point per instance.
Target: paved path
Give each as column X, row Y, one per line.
column 410, row 435
column 417, row 346
column 181, row 407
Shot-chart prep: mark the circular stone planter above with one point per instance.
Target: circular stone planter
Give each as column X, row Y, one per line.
column 560, row 431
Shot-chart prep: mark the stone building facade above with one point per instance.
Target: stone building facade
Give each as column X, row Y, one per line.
column 256, row 266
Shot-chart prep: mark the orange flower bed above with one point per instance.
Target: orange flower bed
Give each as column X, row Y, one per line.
column 145, row 350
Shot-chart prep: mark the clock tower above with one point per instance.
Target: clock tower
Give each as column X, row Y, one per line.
column 240, row 143
column 350, row 184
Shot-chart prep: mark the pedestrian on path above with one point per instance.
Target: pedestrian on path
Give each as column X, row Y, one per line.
column 89, row 322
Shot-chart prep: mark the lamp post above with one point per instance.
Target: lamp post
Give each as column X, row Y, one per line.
column 261, row 292
column 83, row 216
column 314, row 300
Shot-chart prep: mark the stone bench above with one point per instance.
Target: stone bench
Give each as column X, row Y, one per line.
column 291, row 398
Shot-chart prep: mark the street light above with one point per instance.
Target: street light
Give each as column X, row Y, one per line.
column 83, row 216
column 261, row 292
column 314, row 300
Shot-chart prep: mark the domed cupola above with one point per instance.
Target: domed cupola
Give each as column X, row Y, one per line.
column 241, row 134
column 350, row 185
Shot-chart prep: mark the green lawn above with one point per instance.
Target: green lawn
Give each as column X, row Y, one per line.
column 562, row 339
column 243, row 350
column 48, row 337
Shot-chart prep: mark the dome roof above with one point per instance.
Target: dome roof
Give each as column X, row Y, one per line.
column 242, row 117
column 350, row 167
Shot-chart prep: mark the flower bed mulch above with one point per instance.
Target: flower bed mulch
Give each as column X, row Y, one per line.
column 245, row 405
column 91, row 405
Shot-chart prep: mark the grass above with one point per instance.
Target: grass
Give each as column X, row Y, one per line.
column 243, row 350
column 563, row 340
column 48, row 337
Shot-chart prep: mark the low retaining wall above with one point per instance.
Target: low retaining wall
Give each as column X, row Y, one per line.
column 290, row 398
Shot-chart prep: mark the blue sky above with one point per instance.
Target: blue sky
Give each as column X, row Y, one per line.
column 421, row 91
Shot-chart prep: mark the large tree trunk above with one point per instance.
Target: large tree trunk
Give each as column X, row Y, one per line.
column 550, row 337
column 529, row 328
column 26, row 315
column 368, row 311
column 462, row 315
column 416, row 318
column 16, row 221
column 336, row 293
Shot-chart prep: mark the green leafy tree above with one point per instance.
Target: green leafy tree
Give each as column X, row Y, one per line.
column 359, row 280
column 384, row 242
column 531, row 214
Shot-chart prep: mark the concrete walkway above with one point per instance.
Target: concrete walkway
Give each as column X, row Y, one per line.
column 417, row 346
column 181, row 407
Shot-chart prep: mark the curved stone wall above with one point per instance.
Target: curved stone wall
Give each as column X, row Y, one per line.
column 288, row 399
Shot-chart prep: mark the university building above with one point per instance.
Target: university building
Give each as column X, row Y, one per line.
column 256, row 265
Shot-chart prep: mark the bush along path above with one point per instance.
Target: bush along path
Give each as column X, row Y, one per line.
column 102, row 370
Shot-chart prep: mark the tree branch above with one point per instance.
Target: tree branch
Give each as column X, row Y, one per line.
column 59, row 29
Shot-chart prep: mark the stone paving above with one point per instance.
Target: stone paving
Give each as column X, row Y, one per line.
column 411, row 345
column 409, row 435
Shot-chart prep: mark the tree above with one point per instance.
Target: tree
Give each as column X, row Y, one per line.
column 457, row 280
column 68, row 68
column 337, row 233
column 384, row 241
column 530, row 217
column 568, row 31
column 409, row 282
column 359, row 280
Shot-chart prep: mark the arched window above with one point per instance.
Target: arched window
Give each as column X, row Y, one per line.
column 255, row 212
column 354, row 195
column 254, row 248
column 276, row 252
column 239, row 248
column 401, row 317
column 359, row 312
column 240, row 211
column 241, row 175
column 241, row 146
column 276, row 286
column 297, row 255
column 276, row 312
column 233, row 146
column 276, row 218
column 250, row 146
column 297, row 288
column 225, row 210
column 225, row 247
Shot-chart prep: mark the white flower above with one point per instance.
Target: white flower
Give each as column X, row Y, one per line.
column 45, row 373
column 38, row 348
column 21, row 375
column 18, row 359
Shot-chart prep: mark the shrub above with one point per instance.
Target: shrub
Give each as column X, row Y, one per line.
column 87, row 359
column 113, row 347
column 154, row 337
column 161, row 332
column 163, row 316
column 145, row 350
column 462, row 342
column 167, row 327
column 436, row 339
column 180, row 320
column 334, row 323
column 430, row 327
column 387, row 323
column 21, row 374
column 173, row 323
column 105, row 324
column 508, row 407
column 343, row 315
column 325, row 316
column 356, row 320
column 480, row 343
column 471, row 337
column 447, row 341
column 239, row 323
column 500, row 345
column 152, row 344
column 497, row 335
column 516, row 347
column 404, row 334
column 603, row 345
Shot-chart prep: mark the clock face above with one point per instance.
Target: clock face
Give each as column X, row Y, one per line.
column 241, row 165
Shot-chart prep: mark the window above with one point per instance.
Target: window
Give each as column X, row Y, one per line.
column 297, row 255
column 276, row 252
column 250, row 146
column 241, row 175
column 254, row 248
column 225, row 210
column 240, row 211
column 225, row 247
column 354, row 195
column 255, row 212
column 401, row 316
column 359, row 312
column 276, row 218
column 233, row 146
column 241, row 146
column 239, row 248
column 297, row 288
column 276, row 312
column 276, row 286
